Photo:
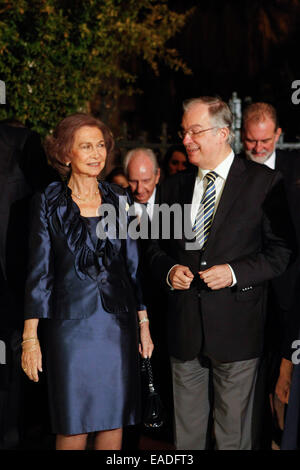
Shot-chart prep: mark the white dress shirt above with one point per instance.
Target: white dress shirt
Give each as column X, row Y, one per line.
column 271, row 161
column 222, row 171
column 149, row 207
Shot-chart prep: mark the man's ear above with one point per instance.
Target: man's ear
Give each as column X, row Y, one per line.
column 224, row 133
column 157, row 175
column 278, row 133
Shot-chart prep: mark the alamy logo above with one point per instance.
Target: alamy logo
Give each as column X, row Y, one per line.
column 296, row 354
column 2, row 352
column 168, row 222
column 2, row 92
column 296, row 94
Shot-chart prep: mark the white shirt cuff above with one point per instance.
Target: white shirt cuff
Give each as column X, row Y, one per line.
column 234, row 281
column 168, row 280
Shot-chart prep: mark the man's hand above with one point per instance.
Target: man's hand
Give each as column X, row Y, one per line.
column 217, row 277
column 181, row 277
column 283, row 384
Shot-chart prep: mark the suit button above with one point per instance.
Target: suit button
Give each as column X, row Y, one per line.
column 203, row 263
column 103, row 280
column 199, row 295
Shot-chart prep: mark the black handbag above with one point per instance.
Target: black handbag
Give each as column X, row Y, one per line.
column 153, row 414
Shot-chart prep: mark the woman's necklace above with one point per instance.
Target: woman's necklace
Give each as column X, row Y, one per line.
column 78, row 196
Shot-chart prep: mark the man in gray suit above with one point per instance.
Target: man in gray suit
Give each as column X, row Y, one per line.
column 217, row 288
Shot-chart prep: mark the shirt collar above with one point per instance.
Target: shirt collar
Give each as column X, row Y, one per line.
column 222, row 169
column 150, row 202
column 271, row 161
column 152, row 197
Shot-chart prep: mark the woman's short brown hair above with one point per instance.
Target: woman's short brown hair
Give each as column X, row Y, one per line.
column 59, row 145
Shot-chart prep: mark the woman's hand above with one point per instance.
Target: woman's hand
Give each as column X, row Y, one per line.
column 146, row 345
column 31, row 358
column 284, row 380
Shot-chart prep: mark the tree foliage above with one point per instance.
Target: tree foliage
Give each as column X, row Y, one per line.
column 56, row 54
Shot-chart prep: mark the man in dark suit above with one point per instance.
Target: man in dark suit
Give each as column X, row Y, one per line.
column 143, row 173
column 23, row 169
column 260, row 134
column 217, row 282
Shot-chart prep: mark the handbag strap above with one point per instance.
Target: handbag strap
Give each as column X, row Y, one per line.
column 148, row 365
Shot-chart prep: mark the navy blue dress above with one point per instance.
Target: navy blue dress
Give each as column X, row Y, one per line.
column 87, row 293
column 92, row 369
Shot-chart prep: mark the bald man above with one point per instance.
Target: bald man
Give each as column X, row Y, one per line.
column 143, row 174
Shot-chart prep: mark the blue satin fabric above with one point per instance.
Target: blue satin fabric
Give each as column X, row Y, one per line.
column 93, row 370
column 89, row 293
column 67, row 272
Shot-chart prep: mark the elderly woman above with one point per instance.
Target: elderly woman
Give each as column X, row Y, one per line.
column 87, row 287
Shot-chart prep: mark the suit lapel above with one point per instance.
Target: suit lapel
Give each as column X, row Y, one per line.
column 234, row 183
column 186, row 191
column 187, row 187
column 180, row 193
column 157, row 194
column 280, row 161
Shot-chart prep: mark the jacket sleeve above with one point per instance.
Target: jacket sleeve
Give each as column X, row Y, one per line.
column 40, row 267
column 159, row 262
column 132, row 257
column 279, row 247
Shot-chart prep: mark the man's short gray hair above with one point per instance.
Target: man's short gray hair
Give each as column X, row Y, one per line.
column 258, row 112
column 219, row 112
column 150, row 154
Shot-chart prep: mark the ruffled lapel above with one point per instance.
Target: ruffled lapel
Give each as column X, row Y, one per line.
column 65, row 216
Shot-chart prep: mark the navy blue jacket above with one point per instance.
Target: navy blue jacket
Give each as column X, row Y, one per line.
column 68, row 274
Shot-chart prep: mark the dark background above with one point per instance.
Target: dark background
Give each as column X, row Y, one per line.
column 250, row 47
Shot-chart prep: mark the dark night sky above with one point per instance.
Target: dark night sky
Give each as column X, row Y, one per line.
column 249, row 47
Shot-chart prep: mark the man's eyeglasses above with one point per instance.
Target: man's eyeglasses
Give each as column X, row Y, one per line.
column 194, row 132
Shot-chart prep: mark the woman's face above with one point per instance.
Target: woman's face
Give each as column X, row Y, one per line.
column 177, row 162
column 88, row 154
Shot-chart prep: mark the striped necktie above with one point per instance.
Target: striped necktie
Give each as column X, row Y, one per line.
column 205, row 212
